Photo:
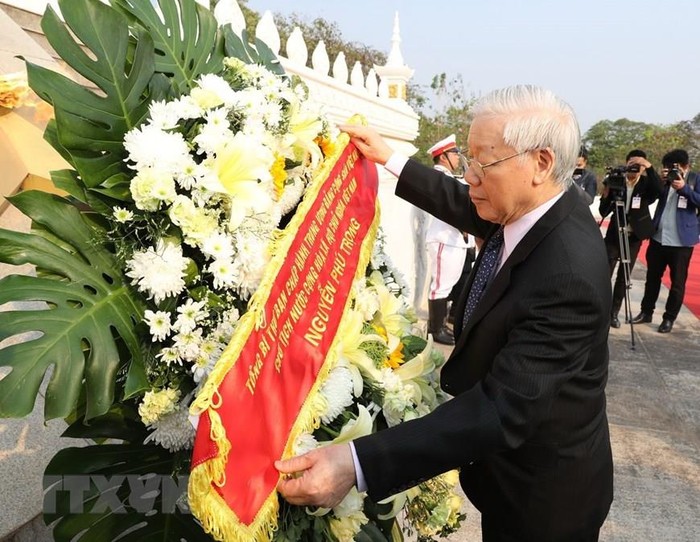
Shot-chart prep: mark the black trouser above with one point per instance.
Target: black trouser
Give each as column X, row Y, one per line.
column 613, row 250
column 677, row 259
column 499, row 531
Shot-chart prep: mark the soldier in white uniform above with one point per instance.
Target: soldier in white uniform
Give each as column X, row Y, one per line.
column 447, row 248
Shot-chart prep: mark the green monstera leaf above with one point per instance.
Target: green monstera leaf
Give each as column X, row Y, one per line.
column 185, row 36
column 85, row 310
column 90, row 124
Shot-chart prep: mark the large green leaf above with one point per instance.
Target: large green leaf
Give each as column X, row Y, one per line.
column 123, row 508
column 185, row 35
column 90, row 126
column 77, row 327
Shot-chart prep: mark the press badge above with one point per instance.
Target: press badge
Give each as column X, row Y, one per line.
column 682, row 202
column 636, row 202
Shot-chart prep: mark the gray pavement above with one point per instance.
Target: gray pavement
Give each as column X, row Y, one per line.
column 653, row 408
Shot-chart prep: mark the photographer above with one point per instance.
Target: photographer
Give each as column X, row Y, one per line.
column 584, row 178
column 677, row 231
column 637, row 186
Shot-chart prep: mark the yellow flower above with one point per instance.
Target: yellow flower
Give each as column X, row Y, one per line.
column 327, row 146
column 279, row 175
column 396, row 357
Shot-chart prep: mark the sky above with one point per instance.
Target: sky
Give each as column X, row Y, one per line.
column 612, row 59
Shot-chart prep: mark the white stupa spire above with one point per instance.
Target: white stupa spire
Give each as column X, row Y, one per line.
column 395, row 74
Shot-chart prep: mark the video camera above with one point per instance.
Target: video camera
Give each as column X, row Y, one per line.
column 674, row 174
column 615, row 177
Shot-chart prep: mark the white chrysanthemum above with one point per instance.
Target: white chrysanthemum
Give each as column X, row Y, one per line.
column 159, row 272
column 163, row 115
column 158, row 323
column 169, row 355
column 337, row 390
column 351, row 504
column 349, row 517
column 252, row 258
column 122, row 215
column 197, row 223
column 186, row 107
column 151, row 187
column 188, row 343
column 150, row 147
column 218, row 245
column 223, row 272
column 304, row 443
column 173, row 431
column 224, row 330
column 293, row 191
column 190, row 314
column 211, row 137
column 366, row 300
column 398, row 397
column 188, row 177
column 156, row 404
column 211, row 91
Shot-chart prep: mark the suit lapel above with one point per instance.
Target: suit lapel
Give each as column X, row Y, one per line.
column 499, row 286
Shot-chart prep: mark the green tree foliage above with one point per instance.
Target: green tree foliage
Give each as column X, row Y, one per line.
column 608, row 142
column 442, row 111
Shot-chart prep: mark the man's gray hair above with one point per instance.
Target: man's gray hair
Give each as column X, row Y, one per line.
column 535, row 118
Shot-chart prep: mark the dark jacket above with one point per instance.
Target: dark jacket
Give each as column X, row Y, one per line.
column 588, row 183
column 527, row 425
column 687, row 219
column 648, row 189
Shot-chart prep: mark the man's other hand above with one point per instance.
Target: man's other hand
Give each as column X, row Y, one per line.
column 321, row 477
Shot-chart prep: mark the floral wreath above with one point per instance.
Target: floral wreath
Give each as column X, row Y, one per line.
column 185, row 169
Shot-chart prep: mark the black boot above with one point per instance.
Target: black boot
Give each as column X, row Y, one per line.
column 437, row 310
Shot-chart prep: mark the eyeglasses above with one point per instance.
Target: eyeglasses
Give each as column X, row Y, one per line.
column 479, row 168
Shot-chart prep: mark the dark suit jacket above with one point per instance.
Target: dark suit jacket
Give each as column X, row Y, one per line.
column 688, row 218
column 527, row 426
column 648, row 189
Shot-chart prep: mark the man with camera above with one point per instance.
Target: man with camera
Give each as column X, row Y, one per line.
column 677, row 229
column 584, row 178
column 628, row 190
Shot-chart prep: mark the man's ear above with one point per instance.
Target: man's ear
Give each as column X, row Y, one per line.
column 544, row 165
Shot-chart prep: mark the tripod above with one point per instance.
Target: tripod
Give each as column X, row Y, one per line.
column 625, row 260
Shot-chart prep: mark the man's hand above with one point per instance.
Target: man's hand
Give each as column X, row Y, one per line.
column 321, row 477
column 369, row 142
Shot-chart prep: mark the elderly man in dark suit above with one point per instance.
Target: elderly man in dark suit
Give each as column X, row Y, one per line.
column 527, row 425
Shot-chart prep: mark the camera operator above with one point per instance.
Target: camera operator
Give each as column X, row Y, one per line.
column 584, row 178
column 641, row 187
column 677, row 231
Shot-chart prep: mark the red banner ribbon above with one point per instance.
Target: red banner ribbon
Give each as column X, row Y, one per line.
column 260, row 396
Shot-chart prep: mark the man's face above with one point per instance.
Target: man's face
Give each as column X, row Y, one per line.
column 506, row 190
column 581, row 162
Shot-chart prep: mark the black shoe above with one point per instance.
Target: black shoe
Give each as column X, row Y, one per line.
column 666, row 326
column 444, row 337
column 614, row 321
column 642, row 318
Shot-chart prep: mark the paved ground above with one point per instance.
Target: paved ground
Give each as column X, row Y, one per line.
column 654, row 411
